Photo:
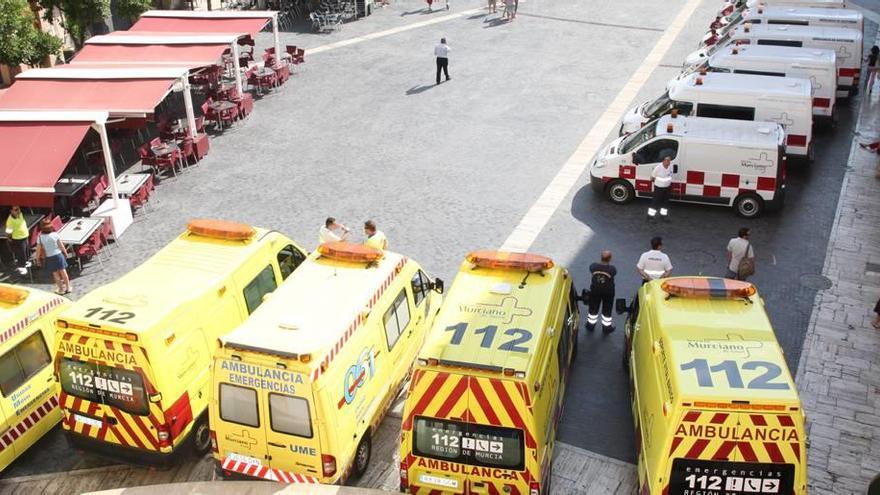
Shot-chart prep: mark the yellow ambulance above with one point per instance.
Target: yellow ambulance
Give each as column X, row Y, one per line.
column 133, row 356
column 29, row 407
column 716, row 410
column 487, row 390
column 300, row 388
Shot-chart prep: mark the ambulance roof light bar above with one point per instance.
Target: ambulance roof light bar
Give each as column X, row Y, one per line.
column 708, row 287
column 509, row 260
column 347, row 251
column 220, row 229
column 13, row 295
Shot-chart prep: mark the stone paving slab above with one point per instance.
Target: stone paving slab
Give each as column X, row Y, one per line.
column 839, row 373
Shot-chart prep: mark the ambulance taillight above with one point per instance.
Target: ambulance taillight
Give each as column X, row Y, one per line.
column 534, row 488
column 164, row 436
column 214, row 446
column 328, row 465
column 404, row 477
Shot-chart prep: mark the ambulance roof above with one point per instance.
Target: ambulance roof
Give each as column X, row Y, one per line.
column 161, row 287
column 794, row 32
column 725, row 85
column 771, row 53
column 12, row 313
column 717, row 331
column 801, row 12
column 311, row 311
column 503, row 299
column 739, row 132
column 800, row 3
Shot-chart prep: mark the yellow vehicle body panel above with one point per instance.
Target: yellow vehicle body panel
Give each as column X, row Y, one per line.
column 28, row 389
column 310, row 375
column 487, row 391
column 134, row 355
column 715, row 406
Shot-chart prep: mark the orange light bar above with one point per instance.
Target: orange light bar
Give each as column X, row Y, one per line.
column 221, row 229
column 708, row 287
column 132, row 337
column 12, row 295
column 515, row 261
column 347, row 251
column 739, row 406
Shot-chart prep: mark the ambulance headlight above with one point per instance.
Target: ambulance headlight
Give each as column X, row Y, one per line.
column 599, row 163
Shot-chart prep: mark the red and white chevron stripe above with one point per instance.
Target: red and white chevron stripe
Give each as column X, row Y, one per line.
column 266, row 472
column 359, row 320
column 24, row 322
column 32, row 419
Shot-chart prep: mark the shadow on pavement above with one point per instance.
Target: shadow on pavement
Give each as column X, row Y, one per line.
column 415, row 90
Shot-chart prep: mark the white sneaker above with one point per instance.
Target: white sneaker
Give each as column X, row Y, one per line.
column 22, row 271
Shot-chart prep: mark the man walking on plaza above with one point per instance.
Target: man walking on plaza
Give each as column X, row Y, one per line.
column 739, row 249
column 654, row 264
column 661, row 176
column 332, row 231
column 601, row 292
column 441, row 51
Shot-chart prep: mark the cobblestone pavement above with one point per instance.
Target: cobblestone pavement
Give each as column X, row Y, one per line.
column 839, row 373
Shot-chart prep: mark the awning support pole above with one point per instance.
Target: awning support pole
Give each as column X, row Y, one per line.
column 108, row 163
column 188, row 103
column 277, row 38
column 237, row 68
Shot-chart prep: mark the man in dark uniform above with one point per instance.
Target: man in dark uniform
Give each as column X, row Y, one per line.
column 601, row 293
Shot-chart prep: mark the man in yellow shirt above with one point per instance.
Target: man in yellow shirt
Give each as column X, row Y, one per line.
column 375, row 238
column 16, row 229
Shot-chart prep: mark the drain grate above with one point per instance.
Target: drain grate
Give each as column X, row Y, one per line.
column 815, row 281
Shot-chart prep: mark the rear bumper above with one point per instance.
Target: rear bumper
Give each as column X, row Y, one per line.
column 131, row 455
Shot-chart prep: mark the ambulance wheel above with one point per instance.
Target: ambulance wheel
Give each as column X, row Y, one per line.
column 620, row 191
column 362, row 456
column 748, row 205
column 811, row 153
column 201, row 437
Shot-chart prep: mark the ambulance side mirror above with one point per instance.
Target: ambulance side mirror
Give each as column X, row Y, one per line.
column 437, row 285
column 620, row 306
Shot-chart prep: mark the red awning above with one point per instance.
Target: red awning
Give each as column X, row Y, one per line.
column 186, row 55
column 34, row 157
column 117, row 96
column 250, row 26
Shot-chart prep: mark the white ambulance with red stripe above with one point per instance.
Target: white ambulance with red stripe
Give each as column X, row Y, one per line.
column 817, row 65
column 299, row 390
column 28, row 391
column 792, row 15
column 716, row 409
column 786, row 101
column 733, row 5
column 714, row 161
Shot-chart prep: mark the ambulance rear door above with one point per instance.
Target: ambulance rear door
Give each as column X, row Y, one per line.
column 292, row 436
column 241, row 434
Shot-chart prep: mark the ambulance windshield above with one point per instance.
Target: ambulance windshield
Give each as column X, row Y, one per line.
column 468, row 443
column 116, row 387
column 636, row 139
column 658, row 107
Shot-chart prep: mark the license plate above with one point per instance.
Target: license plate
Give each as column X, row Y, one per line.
column 244, row 458
column 88, row 421
column 691, row 476
column 439, row 481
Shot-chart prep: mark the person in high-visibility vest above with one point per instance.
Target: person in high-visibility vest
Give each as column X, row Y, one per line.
column 601, row 292
column 375, row 237
column 16, row 229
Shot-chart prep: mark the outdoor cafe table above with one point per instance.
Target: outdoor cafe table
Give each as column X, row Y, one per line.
column 70, row 185
column 78, row 230
column 128, row 184
column 220, row 107
column 166, row 148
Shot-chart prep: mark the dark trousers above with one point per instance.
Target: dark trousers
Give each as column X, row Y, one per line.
column 20, row 251
column 606, row 301
column 442, row 63
column 661, row 197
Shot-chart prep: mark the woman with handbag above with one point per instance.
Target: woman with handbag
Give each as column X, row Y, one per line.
column 740, row 256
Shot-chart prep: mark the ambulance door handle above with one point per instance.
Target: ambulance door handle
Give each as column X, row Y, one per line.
column 277, row 445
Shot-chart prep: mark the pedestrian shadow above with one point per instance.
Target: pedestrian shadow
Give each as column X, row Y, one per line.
column 477, row 16
column 433, row 11
column 415, row 90
column 412, row 12
column 498, row 21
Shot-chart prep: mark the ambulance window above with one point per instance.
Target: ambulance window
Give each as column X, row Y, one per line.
column 23, row 361
column 239, row 405
column 760, row 73
column 396, row 319
column 290, row 415
column 261, row 285
column 419, row 286
column 796, row 44
column 655, row 151
column 790, row 22
column 726, row 112
column 288, row 259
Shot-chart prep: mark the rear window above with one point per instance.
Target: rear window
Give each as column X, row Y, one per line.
column 22, row 362
column 290, row 415
column 239, row 405
column 468, row 443
column 117, row 387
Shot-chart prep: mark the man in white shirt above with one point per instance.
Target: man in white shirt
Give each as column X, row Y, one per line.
column 654, row 264
column 737, row 249
column 441, row 51
column 661, row 176
column 328, row 232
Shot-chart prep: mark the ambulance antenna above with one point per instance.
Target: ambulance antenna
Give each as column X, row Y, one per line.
column 522, row 284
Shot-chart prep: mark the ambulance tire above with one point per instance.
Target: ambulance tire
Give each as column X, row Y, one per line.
column 201, row 437
column 748, row 205
column 620, row 191
column 362, row 456
column 811, row 153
